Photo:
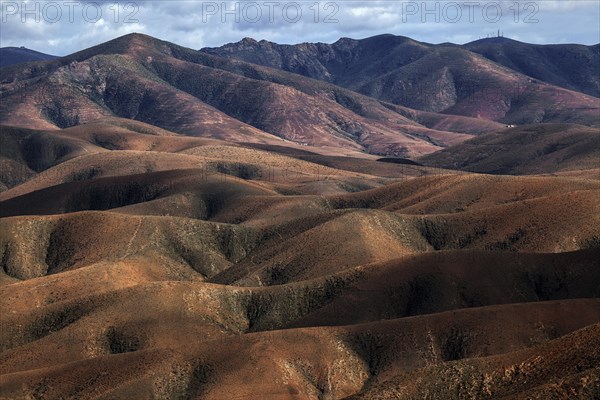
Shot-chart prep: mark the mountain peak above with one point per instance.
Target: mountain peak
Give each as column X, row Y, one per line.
column 126, row 44
column 345, row 40
column 248, row 40
column 494, row 40
column 137, row 38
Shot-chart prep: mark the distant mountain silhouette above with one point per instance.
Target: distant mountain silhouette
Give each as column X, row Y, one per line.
column 17, row 55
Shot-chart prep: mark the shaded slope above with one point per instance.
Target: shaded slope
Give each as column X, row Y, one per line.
column 572, row 66
column 529, row 149
column 565, row 367
column 18, row 55
column 37, row 247
column 273, row 171
column 120, row 191
column 430, row 283
column 25, row 152
column 423, row 214
column 56, row 97
column 338, row 361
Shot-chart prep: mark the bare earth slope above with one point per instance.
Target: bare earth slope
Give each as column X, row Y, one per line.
column 528, row 149
column 572, row 66
column 155, row 265
column 180, row 225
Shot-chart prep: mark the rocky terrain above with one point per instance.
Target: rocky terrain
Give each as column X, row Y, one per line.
column 496, row 79
column 193, row 93
column 176, row 224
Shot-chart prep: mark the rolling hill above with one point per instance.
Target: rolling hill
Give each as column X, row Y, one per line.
column 525, row 150
column 146, row 266
column 176, row 224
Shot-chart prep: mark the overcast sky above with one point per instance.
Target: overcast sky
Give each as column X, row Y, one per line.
column 65, row 26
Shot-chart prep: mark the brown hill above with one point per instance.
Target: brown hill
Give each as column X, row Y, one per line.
column 159, row 297
column 107, row 334
column 281, row 173
column 137, row 148
column 222, row 261
column 24, row 152
column 430, row 283
column 525, row 150
column 420, row 214
column 562, row 368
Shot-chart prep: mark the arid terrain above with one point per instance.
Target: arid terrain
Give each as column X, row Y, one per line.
column 257, row 222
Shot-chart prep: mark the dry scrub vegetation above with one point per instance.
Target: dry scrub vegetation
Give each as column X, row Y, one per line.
column 137, row 263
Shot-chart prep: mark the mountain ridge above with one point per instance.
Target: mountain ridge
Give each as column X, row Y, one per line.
column 485, row 47
column 18, row 55
column 245, row 98
column 374, row 66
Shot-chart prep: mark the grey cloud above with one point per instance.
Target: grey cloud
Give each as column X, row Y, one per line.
column 183, row 22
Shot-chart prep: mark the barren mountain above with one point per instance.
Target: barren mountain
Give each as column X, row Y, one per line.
column 180, row 225
column 447, row 78
column 571, row 66
column 197, row 94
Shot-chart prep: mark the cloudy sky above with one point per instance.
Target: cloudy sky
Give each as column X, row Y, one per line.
column 65, row 26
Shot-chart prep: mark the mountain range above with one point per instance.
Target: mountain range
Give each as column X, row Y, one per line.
column 301, row 221
column 185, row 91
column 496, row 78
